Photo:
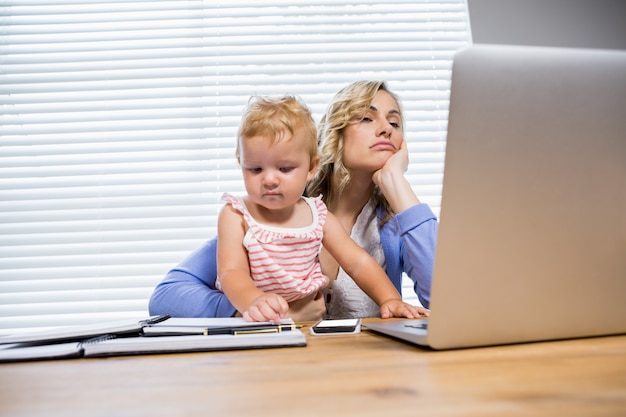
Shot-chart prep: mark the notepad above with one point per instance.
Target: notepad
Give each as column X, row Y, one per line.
column 121, row 344
column 83, row 332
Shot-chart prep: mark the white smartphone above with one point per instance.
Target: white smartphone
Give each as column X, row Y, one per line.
column 341, row 326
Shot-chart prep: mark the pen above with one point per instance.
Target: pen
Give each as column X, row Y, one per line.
column 263, row 328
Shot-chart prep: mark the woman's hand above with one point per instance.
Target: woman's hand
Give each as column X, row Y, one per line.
column 398, row 308
column 397, row 164
column 311, row 308
column 393, row 184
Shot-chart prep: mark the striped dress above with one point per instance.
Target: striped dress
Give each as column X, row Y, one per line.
column 285, row 261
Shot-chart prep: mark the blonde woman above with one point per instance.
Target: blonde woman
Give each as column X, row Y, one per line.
column 361, row 176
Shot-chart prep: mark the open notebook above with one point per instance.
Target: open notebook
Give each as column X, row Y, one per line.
column 153, row 336
column 532, row 238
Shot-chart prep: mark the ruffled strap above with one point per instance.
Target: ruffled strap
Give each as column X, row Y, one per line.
column 240, row 206
column 322, row 210
column 266, row 234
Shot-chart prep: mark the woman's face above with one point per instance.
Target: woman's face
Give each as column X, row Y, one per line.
column 369, row 142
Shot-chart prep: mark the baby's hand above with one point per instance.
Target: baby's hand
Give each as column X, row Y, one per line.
column 398, row 308
column 267, row 307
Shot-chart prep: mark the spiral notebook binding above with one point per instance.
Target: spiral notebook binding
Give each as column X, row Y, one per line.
column 97, row 339
column 154, row 320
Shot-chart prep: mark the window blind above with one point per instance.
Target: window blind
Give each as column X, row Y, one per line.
column 118, row 123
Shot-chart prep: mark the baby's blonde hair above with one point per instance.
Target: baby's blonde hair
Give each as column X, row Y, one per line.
column 278, row 118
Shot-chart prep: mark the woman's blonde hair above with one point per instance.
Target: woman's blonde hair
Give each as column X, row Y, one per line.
column 278, row 118
column 348, row 106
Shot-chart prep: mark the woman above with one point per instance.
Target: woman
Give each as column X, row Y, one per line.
column 361, row 179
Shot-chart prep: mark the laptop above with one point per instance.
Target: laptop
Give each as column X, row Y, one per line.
column 532, row 236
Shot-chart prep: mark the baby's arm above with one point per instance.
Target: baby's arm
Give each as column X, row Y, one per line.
column 233, row 269
column 366, row 272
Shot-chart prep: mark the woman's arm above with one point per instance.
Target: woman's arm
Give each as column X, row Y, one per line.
column 416, row 232
column 188, row 290
column 409, row 240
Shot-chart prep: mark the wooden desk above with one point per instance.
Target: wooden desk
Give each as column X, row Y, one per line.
column 354, row 375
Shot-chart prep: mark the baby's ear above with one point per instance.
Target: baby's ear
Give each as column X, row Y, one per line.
column 314, row 165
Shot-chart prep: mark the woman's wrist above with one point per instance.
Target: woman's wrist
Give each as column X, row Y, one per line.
column 397, row 190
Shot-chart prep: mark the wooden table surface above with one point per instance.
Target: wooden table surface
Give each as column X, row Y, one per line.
column 353, row 375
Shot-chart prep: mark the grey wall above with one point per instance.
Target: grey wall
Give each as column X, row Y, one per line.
column 566, row 23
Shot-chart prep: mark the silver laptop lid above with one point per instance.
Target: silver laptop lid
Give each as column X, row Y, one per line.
column 532, row 240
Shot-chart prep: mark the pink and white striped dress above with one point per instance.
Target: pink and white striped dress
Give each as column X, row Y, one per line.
column 285, row 261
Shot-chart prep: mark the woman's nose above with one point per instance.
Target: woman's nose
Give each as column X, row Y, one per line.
column 385, row 129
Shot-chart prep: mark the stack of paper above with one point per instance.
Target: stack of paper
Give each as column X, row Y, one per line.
column 155, row 335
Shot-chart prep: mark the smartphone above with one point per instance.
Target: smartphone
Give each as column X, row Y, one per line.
column 342, row 326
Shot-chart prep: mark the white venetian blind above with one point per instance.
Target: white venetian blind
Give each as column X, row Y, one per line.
column 118, row 122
